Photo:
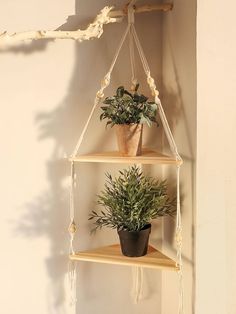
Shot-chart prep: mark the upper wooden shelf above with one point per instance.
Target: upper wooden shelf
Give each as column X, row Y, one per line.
column 148, row 157
column 112, row 255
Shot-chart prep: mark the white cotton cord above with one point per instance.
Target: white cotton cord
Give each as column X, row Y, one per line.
column 155, row 93
column 137, row 289
column 72, row 275
column 134, row 80
column 100, row 94
column 72, row 225
column 72, row 282
column 167, row 130
column 119, row 48
column 72, row 185
column 140, row 51
column 179, row 241
column 96, row 102
column 150, row 80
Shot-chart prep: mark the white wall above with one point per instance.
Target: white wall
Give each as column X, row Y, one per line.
column 216, row 171
column 47, row 89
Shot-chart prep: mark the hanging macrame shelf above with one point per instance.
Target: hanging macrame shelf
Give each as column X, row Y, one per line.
column 148, row 157
column 112, row 255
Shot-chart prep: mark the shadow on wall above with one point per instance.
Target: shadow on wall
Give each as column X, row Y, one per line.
column 47, row 215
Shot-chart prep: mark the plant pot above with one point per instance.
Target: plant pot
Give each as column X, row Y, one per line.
column 134, row 243
column 129, row 139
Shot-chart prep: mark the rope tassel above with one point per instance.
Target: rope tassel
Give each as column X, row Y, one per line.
column 137, row 290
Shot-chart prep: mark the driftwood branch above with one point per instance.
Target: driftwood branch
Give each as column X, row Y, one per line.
column 94, row 30
column 142, row 9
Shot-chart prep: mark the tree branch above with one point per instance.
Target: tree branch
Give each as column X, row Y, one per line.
column 94, row 30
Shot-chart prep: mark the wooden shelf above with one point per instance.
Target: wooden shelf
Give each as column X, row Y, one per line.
column 112, row 255
column 148, row 157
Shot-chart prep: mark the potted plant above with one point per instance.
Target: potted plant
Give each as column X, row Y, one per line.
column 127, row 112
column 130, row 202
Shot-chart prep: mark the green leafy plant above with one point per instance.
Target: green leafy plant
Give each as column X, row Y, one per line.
column 127, row 108
column 131, row 201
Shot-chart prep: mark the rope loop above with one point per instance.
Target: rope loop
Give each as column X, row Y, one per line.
column 131, row 14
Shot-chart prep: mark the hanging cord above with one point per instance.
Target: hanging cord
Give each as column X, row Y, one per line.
column 72, row 273
column 100, row 94
column 179, row 242
column 72, row 281
column 137, row 272
column 134, row 80
column 137, row 290
column 155, row 93
column 72, row 226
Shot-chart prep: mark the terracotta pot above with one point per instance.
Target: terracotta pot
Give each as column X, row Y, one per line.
column 134, row 243
column 129, row 138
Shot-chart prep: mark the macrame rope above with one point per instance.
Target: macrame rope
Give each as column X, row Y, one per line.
column 72, row 280
column 137, row 290
column 100, row 94
column 155, row 93
column 167, row 130
column 179, row 241
column 134, row 80
column 72, row 274
column 72, row 226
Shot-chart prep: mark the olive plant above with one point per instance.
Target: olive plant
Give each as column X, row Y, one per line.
column 131, row 201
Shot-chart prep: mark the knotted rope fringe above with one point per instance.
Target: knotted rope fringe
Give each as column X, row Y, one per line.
column 137, row 291
column 179, row 241
column 72, row 281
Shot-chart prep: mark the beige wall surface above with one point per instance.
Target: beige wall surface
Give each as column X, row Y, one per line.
column 46, row 93
column 216, row 171
column 179, row 101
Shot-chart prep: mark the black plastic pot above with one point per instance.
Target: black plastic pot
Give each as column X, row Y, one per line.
column 134, row 243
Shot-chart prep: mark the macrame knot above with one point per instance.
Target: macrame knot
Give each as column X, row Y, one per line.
column 106, row 81
column 131, row 10
column 100, row 94
column 151, row 82
column 156, row 93
column 178, row 238
column 72, row 227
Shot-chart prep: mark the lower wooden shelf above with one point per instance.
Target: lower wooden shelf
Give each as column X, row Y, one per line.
column 112, row 255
